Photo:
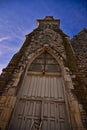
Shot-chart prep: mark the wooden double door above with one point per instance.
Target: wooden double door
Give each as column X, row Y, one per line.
column 41, row 104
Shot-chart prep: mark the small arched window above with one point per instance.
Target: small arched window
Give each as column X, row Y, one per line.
column 44, row 63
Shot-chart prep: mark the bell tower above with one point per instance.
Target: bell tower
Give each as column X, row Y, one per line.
column 48, row 22
column 37, row 85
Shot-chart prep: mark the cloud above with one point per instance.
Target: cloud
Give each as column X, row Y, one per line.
column 8, row 45
column 2, row 66
column 4, row 38
column 6, row 51
column 4, row 47
column 8, row 48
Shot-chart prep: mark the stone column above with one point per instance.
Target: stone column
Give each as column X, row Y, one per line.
column 73, row 103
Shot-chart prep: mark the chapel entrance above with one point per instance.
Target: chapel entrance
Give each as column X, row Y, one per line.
column 42, row 101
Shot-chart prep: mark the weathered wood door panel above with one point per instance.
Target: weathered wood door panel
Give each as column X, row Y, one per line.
column 43, row 87
column 51, row 116
column 41, row 105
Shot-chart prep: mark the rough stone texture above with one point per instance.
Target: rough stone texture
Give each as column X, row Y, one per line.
column 6, row 107
column 79, row 44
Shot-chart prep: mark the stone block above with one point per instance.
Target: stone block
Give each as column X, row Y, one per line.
column 6, row 107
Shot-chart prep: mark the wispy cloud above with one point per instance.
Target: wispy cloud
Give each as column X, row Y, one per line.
column 4, row 38
column 8, row 48
column 4, row 46
column 2, row 66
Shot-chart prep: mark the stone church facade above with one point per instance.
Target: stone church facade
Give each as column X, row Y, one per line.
column 42, row 88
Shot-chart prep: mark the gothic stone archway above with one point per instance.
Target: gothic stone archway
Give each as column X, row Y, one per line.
column 41, row 100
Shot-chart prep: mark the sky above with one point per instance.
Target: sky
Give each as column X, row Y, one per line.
column 18, row 18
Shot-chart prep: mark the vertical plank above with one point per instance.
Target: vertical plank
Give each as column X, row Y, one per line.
column 31, row 87
column 38, row 109
column 43, row 87
column 30, row 108
column 52, row 87
column 49, row 87
column 22, row 87
column 62, row 111
column 27, row 124
column 57, row 116
column 18, row 126
column 52, row 110
column 26, row 87
column 49, row 110
column 22, row 125
column 39, row 87
column 52, row 125
column 21, row 108
column 27, row 105
column 34, row 86
column 48, row 123
column 21, row 115
column 45, row 125
column 45, row 113
column 62, row 126
column 60, row 89
column 46, row 87
column 55, row 87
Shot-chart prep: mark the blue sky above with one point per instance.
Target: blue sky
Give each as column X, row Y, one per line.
column 18, row 18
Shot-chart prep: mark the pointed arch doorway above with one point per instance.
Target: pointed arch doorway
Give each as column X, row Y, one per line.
column 41, row 103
